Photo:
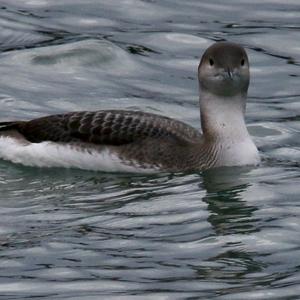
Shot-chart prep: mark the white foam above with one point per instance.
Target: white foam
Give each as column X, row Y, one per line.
column 49, row 154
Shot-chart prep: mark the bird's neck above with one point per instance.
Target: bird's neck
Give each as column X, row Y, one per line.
column 225, row 131
column 222, row 118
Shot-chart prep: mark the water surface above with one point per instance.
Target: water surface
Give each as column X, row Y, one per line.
column 222, row 234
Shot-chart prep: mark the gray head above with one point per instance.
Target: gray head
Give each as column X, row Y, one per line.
column 224, row 70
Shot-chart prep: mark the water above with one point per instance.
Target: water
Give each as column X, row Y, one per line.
column 221, row 234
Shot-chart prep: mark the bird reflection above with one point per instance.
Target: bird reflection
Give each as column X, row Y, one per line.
column 229, row 213
column 230, row 216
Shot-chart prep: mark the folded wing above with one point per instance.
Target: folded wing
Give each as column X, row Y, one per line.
column 109, row 127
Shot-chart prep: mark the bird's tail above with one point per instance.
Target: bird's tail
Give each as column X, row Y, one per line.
column 8, row 125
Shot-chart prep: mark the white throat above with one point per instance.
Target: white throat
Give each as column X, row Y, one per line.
column 223, row 124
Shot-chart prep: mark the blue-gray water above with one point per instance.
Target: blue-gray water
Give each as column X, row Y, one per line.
column 222, row 234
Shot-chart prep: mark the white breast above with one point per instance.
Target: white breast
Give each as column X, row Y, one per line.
column 49, row 154
column 238, row 153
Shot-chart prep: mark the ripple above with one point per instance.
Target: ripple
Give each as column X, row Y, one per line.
column 229, row 233
column 176, row 42
column 269, row 43
column 66, row 57
column 77, row 70
column 17, row 34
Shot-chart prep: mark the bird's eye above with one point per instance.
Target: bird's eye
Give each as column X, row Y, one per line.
column 242, row 62
column 211, row 62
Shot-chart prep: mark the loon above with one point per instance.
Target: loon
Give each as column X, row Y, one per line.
column 140, row 142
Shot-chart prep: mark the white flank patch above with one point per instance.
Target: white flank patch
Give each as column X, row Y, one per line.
column 50, row 154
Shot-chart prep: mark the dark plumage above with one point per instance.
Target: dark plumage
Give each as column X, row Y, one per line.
column 138, row 138
column 146, row 140
column 108, row 127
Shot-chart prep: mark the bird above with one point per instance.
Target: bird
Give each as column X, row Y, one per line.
column 141, row 142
